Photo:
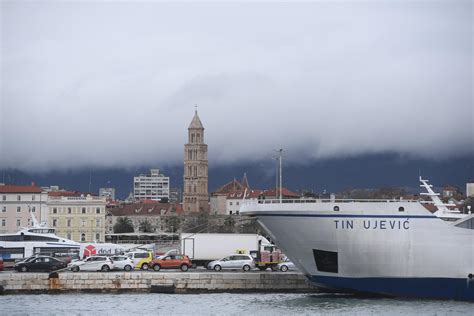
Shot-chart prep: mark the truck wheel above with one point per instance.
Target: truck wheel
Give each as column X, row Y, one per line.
column 75, row 269
column 262, row 268
column 184, row 268
column 156, row 267
column 145, row 266
column 128, row 267
column 217, row 267
column 105, row 268
column 284, row 268
column 246, row 268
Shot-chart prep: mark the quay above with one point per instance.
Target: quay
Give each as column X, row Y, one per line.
column 153, row 282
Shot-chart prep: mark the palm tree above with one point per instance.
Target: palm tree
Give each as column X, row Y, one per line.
column 123, row 225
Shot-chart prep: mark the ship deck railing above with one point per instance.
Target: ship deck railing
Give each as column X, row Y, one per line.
column 303, row 201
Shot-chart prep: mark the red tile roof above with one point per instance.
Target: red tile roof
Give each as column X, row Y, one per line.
column 284, row 191
column 19, row 189
column 249, row 194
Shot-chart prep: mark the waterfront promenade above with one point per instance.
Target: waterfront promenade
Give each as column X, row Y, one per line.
column 159, row 282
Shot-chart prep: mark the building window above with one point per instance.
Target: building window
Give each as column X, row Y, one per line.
column 83, row 237
column 18, row 209
column 18, row 223
column 33, row 197
column 68, row 223
column 55, row 210
column 18, row 198
column 4, row 222
column 97, row 237
column 237, row 212
column 230, row 203
column 97, row 210
column 55, row 222
column 69, row 210
column 4, row 209
column 4, row 198
column 83, row 210
column 230, row 212
column 236, row 203
column 401, row 209
column 68, row 236
column 33, row 209
column 83, row 223
column 97, row 223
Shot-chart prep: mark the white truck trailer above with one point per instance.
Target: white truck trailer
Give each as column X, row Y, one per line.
column 203, row 248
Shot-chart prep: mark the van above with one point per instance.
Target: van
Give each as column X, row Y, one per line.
column 140, row 259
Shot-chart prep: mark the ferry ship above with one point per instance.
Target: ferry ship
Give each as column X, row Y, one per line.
column 394, row 247
column 36, row 239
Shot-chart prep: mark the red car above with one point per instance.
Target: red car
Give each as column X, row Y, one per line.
column 171, row 262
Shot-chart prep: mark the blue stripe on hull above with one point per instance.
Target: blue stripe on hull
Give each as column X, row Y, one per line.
column 436, row 288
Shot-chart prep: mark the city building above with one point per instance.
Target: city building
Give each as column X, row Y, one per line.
column 175, row 195
column 235, row 200
column 450, row 191
column 108, row 193
column 153, row 186
column 218, row 199
column 77, row 216
column 470, row 189
column 195, row 197
column 147, row 216
column 16, row 203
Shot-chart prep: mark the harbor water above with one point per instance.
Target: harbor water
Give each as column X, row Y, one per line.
column 223, row 304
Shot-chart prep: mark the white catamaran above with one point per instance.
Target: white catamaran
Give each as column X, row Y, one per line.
column 36, row 239
column 394, row 247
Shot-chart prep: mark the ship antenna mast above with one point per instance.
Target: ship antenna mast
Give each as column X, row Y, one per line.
column 442, row 207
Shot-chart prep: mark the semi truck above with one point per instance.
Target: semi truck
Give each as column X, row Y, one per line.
column 202, row 248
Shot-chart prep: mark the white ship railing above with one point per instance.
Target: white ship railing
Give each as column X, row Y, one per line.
column 302, row 201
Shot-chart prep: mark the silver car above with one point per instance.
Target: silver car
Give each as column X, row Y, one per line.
column 286, row 265
column 235, row 262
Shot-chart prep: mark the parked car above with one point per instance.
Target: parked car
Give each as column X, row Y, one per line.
column 94, row 263
column 1, row 263
column 140, row 259
column 237, row 262
column 286, row 265
column 172, row 262
column 40, row 264
column 122, row 263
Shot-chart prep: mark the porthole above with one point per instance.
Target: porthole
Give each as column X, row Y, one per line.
column 401, row 209
column 336, row 208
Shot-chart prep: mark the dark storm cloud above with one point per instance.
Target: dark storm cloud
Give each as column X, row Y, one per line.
column 114, row 83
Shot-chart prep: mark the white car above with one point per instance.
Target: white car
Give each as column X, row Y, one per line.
column 94, row 263
column 122, row 263
column 235, row 262
column 286, row 265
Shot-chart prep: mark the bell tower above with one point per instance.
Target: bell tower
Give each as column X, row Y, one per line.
column 195, row 195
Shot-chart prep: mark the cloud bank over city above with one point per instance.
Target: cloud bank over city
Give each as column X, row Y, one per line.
column 114, row 84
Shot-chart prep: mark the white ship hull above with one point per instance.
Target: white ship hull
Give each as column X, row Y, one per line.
column 373, row 247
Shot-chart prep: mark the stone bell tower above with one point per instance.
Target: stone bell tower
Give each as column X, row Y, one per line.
column 195, row 196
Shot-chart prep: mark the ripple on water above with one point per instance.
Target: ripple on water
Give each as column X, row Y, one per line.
column 223, row 304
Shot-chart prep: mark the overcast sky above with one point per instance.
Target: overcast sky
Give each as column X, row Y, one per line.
column 115, row 83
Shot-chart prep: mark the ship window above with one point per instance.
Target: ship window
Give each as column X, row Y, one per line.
column 401, row 209
column 326, row 261
column 336, row 208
